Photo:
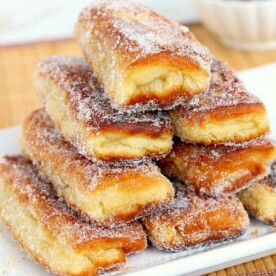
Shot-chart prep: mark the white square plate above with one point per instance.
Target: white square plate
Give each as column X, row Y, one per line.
column 258, row 241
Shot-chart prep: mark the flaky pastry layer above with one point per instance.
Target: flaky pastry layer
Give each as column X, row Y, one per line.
column 106, row 194
column 54, row 235
column 260, row 199
column 226, row 112
column 218, row 170
column 192, row 221
column 144, row 60
column 77, row 103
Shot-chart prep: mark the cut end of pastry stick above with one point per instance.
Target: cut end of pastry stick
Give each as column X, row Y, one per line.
column 192, row 221
column 158, row 81
column 223, row 125
column 108, row 195
column 224, row 113
column 260, row 199
column 78, row 105
column 55, row 236
column 144, row 60
column 217, row 170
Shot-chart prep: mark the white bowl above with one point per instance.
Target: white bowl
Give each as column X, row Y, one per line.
column 246, row 25
column 179, row 10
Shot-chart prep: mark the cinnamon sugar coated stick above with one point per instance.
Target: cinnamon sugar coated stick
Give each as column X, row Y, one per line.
column 260, row 198
column 107, row 194
column 192, row 220
column 77, row 103
column 219, row 170
column 225, row 113
column 53, row 234
column 144, row 60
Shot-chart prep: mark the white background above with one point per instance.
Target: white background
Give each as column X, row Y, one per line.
column 24, row 21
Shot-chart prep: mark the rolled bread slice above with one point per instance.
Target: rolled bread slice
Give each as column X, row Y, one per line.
column 79, row 107
column 260, row 198
column 225, row 113
column 107, row 194
column 54, row 235
column 144, row 60
column 192, row 221
column 219, row 170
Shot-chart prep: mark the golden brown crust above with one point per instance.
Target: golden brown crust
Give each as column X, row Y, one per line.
column 216, row 170
column 67, row 84
column 68, row 228
column 226, row 112
column 86, row 99
column 133, row 191
column 37, row 258
column 192, row 221
column 260, row 198
column 120, row 37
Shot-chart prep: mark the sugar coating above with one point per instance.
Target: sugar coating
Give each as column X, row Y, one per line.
column 185, row 195
column 260, row 198
column 73, row 229
column 216, row 153
column 88, row 104
column 187, row 206
column 225, row 90
column 208, row 169
column 269, row 181
column 87, row 98
column 139, row 30
column 49, row 139
column 203, row 246
column 123, row 34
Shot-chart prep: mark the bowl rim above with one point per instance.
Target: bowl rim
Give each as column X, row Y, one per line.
column 239, row 2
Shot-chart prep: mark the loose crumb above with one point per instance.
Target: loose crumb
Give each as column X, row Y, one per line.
column 255, row 232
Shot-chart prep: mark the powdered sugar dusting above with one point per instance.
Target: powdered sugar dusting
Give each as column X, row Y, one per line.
column 155, row 36
column 65, row 168
column 87, row 100
column 185, row 195
column 211, row 169
column 186, row 210
column 259, row 198
column 47, row 146
column 68, row 227
column 137, row 29
column 116, row 36
column 225, row 90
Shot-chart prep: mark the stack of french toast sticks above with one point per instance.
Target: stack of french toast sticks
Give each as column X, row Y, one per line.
column 87, row 190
